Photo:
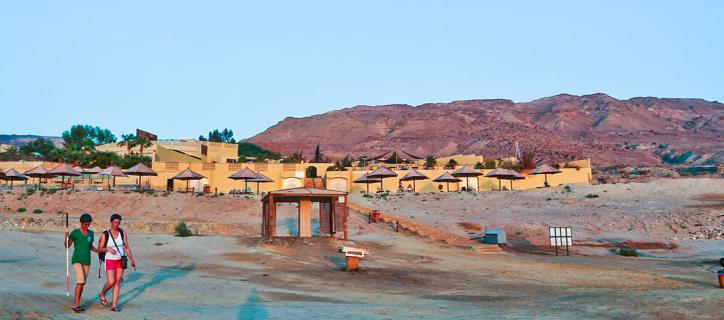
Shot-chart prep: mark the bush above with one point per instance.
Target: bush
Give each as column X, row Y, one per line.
column 30, row 192
column 37, row 210
column 182, row 230
column 367, row 195
column 198, row 194
column 22, row 209
column 591, row 195
column 628, row 252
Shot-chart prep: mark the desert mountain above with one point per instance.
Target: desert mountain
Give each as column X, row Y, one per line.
column 637, row 131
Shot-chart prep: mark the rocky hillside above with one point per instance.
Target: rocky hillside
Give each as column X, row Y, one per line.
column 637, row 131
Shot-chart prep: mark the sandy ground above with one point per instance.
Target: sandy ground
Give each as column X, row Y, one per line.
column 662, row 214
column 405, row 276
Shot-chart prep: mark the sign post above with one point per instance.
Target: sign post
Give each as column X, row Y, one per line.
column 561, row 236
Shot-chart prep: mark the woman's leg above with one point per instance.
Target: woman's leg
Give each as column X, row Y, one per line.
column 110, row 281
column 117, row 286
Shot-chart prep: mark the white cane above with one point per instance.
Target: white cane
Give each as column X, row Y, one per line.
column 67, row 266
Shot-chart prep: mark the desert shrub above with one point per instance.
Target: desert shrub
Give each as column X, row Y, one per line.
column 367, row 195
column 29, row 192
column 198, row 194
column 182, row 230
column 628, row 252
column 22, row 209
column 568, row 188
column 591, row 195
column 37, row 210
column 221, row 193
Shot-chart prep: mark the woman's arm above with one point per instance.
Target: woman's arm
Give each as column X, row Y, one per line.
column 128, row 250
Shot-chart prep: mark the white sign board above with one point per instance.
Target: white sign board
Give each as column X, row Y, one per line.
column 561, row 236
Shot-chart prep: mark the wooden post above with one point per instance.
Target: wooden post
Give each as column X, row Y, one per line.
column 305, row 217
column 272, row 217
column 346, row 216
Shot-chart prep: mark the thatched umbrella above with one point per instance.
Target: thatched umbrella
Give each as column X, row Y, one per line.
column 63, row 170
column 112, row 171
column 381, row 173
column 188, row 175
column 447, row 178
column 413, row 176
column 39, row 172
column 91, row 172
column 244, row 174
column 467, row 172
column 13, row 175
column 499, row 173
column 366, row 180
column 140, row 170
column 545, row 170
column 260, row 179
column 513, row 175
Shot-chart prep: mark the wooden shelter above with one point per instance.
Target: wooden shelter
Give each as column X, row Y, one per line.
column 333, row 211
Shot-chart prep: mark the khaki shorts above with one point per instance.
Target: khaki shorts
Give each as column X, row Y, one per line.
column 81, row 272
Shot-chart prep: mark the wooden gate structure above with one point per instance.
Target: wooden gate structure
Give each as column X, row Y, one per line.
column 333, row 211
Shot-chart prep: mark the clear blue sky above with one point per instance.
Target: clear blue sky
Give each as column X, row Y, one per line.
column 181, row 68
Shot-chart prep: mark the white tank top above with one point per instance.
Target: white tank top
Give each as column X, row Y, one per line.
column 119, row 242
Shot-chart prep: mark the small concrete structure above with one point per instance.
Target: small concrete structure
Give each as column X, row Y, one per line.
column 333, row 210
column 494, row 236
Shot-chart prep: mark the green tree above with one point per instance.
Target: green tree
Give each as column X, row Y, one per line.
column 247, row 149
column 142, row 143
column 318, row 157
column 128, row 140
column 430, row 162
column 41, row 145
column 12, row 153
column 479, row 165
column 363, row 160
column 452, row 163
column 86, row 137
column 490, row 164
column 225, row 135
column 295, row 157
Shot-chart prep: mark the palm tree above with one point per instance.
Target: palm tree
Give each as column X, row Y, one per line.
column 128, row 140
column 142, row 142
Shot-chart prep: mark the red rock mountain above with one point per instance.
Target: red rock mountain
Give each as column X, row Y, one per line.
column 637, row 131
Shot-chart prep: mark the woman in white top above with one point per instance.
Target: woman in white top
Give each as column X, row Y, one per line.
column 117, row 239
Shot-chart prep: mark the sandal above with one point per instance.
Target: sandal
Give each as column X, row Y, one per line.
column 116, row 309
column 104, row 302
column 77, row 309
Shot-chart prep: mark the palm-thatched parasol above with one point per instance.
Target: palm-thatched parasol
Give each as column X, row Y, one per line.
column 499, row 173
column 545, row 170
column 447, row 178
column 513, row 175
column 188, row 175
column 140, row 170
column 413, row 176
column 112, row 171
column 13, row 175
column 63, row 170
column 381, row 173
column 366, row 180
column 39, row 172
column 260, row 179
column 467, row 172
column 245, row 174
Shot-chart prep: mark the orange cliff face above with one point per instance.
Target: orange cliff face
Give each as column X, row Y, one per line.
column 638, row 131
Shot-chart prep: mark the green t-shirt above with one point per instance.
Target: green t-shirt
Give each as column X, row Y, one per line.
column 81, row 246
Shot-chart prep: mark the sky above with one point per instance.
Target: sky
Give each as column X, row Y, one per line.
column 182, row 68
